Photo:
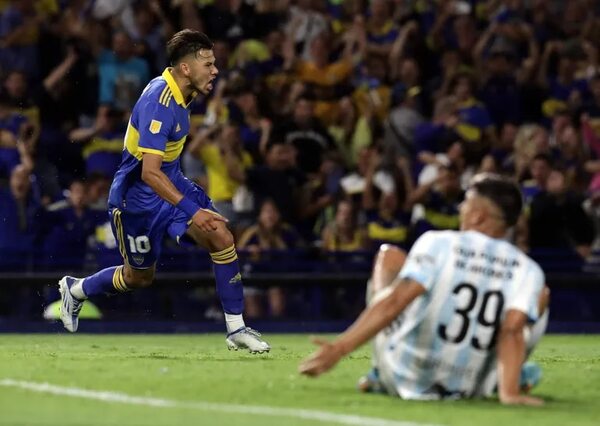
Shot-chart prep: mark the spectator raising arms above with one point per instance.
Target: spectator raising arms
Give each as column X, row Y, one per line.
column 309, row 90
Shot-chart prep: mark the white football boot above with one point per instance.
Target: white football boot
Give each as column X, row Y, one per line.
column 247, row 338
column 70, row 306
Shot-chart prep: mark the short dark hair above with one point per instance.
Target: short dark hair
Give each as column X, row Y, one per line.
column 186, row 42
column 502, row 191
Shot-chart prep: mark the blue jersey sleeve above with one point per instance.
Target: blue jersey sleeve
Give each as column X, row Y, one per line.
column 155, row 123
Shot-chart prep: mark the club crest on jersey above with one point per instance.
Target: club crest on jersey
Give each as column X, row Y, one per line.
column 138, row 259
column 155, row 126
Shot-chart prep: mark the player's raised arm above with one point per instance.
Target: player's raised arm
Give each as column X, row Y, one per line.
column 373, row 319
column 511, row 355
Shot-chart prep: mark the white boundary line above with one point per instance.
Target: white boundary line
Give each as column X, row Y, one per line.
column 107, row 396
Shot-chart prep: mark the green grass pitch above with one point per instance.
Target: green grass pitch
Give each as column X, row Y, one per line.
column 198, row 369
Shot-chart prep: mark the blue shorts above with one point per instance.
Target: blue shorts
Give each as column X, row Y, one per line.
column 140, row 235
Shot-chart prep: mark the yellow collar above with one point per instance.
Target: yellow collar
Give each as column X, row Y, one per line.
column 177, row 95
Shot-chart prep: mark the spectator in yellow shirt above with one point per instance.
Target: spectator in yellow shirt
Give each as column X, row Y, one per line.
column 325, row 80
column 220, row 150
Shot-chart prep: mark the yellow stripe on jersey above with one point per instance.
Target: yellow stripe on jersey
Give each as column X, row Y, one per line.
column 163, row 95
column 120, row 236
column 442, row 220
column 132, row 139
column 468, row 131
column 397, row 234
column 102, row 145
column 151, row 151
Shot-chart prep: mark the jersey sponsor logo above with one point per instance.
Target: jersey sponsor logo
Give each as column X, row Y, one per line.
column 155, row 126
column 236, row 279
column 424, row 260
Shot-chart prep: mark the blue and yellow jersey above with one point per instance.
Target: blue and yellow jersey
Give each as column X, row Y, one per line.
column 284, row 238
column 103, row 153
column 381, row 230
column 12, row 123
column 104, row 142
column 559, row 93
column 382, row 35
column 333, row 242
column 159, row 124
column 441, row 213
column 473, row 120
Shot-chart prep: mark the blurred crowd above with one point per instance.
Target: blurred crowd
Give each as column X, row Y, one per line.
column 334, row 126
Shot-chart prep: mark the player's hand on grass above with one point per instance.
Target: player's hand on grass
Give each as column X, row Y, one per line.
column 207, row 220
column 322, row 360
column 531, row 401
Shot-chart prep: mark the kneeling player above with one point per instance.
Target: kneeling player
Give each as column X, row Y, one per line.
column 456, row 313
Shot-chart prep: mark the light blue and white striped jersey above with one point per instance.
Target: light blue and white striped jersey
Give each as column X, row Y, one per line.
column 443, row 344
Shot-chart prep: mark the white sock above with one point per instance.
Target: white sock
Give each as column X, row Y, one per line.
column 234, row 322
column 77, row 290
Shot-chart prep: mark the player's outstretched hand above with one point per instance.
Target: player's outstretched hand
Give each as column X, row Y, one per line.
column 522, row 400
column 322, row 360
column 207, row 220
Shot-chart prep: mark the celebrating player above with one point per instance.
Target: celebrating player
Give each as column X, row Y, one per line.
column 458, row 308
column 150, row 196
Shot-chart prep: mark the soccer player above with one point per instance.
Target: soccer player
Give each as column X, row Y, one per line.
column 457, row 308
column 150, row 197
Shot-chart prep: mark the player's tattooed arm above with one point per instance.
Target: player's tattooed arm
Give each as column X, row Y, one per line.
column 154, row 177
column 160, row 183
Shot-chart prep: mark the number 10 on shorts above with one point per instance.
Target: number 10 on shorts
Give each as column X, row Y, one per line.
column 139, row 244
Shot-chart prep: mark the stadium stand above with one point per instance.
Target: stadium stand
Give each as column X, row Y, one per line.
column 359, row 121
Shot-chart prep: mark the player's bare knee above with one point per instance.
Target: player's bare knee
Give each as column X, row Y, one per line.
column 220, row 239
column 391, row 255
column 138, row 278
column 544, row 300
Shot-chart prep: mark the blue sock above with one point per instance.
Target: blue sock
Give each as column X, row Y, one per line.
column 229, row 280
column 108, row 281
